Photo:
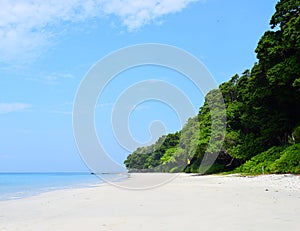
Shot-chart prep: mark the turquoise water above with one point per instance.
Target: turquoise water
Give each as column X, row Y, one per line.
column 20, row 185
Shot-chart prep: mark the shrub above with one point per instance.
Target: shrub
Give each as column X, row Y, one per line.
column 289, row 161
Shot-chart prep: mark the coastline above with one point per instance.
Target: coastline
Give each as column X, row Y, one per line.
column 215, row 202
column 23, row 185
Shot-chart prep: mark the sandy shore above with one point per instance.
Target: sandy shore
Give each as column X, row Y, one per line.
column 188, row 202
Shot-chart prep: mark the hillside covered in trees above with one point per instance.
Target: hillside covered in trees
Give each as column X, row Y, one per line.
column 262, row 108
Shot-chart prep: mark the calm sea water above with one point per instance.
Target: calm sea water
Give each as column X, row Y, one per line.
column 20, row 185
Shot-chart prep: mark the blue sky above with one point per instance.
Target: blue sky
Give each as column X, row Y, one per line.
column 47, row 47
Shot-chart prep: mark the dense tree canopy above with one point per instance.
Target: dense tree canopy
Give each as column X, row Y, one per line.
column 262, row 109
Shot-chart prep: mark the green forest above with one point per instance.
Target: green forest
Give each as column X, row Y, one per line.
column 262, row 114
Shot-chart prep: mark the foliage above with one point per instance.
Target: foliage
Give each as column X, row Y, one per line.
column 262, row 114
column 261, row 163
column 150, row 157
column 296, row 135
column 289, row 161
column 275, row 160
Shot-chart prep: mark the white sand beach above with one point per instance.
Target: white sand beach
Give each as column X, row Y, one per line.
column 268, row 202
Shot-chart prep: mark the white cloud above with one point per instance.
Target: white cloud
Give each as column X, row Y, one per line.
column 52, row 78
column 27, row 26
column 136, row 13
column 13, row 107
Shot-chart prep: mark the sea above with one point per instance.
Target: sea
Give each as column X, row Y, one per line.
column 21, row 185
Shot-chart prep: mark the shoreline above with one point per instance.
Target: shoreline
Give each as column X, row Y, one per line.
column 16, row 186
column 218, row 202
